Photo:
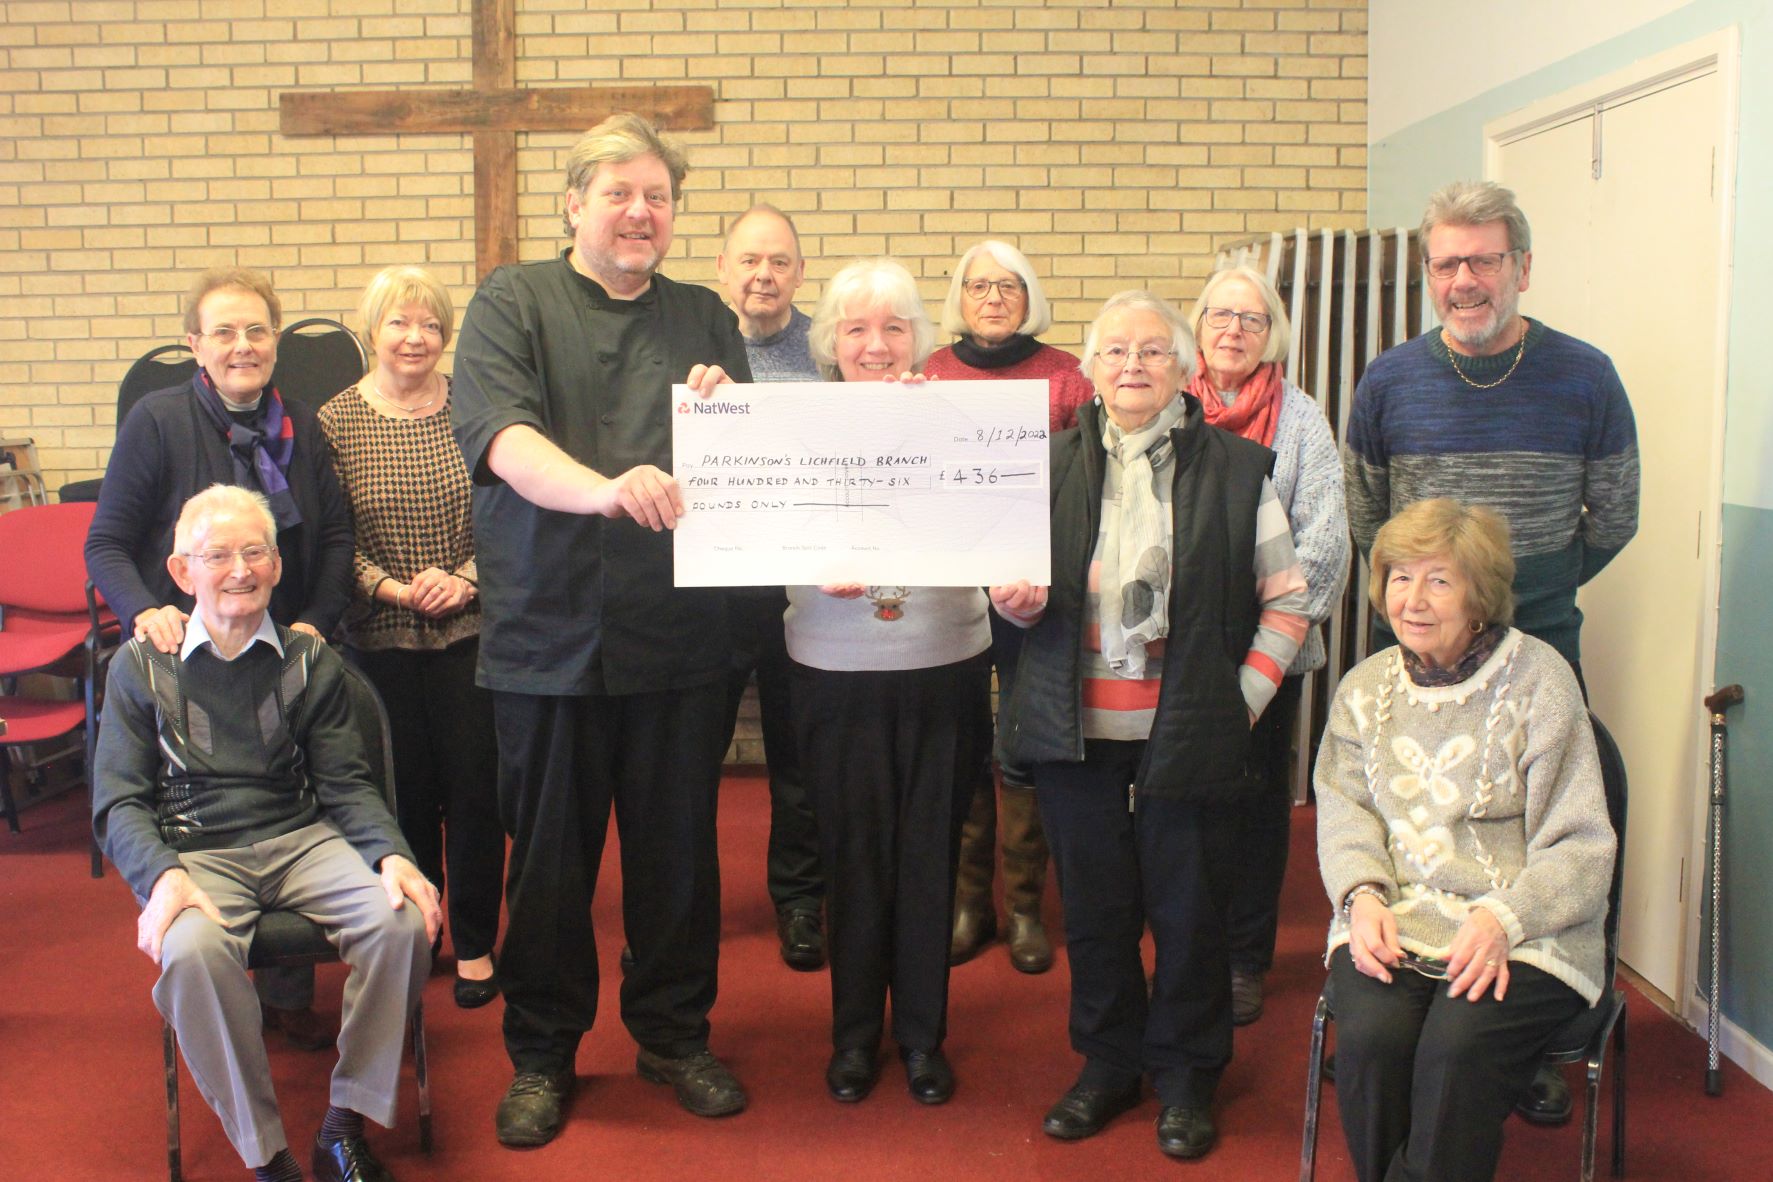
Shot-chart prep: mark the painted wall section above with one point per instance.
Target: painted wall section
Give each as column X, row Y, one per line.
column 1447, row 143
column 1428, row 56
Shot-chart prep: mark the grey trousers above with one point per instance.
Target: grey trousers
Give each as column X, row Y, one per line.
column 205, row 993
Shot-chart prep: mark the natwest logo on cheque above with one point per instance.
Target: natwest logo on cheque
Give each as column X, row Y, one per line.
column 698, row 407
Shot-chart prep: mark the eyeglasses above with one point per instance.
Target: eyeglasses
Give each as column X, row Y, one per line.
column 1445, row 266
column 224, row 559
column 1253, row 322
column 255, row 334
column 1008, row 289
column 1434, row 970
column 1151, row 357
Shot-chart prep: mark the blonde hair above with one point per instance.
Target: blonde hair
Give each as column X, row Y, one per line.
column 1471, row 537
column 866, row 284
column 622, row 137
column 240, row 278
column 1036, row 318
column 395, row 287
column 1280, row 332
column 221, row 500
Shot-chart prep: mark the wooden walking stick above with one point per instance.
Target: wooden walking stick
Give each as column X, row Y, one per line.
column 1715, row 704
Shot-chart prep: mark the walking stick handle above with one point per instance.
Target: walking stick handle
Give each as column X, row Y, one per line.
column 1721, row 699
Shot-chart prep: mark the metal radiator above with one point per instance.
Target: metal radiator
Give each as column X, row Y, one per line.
column 1351, row 295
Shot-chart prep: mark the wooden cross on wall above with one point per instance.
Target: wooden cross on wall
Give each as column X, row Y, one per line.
column 494, row 111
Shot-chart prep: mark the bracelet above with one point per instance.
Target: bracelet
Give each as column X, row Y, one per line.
column 400, row 597
column 1365, row 888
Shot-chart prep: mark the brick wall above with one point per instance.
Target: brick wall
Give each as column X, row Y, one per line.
column 1118, row 145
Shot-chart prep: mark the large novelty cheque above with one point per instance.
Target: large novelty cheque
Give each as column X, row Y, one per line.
column 936, row 484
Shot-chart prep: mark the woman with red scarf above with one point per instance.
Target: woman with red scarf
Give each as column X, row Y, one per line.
column 1244, row 337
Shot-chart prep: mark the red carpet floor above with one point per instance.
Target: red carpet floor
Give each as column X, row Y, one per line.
column 80, row 1063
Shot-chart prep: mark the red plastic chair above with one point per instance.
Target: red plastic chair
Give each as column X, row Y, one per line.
column 51, row 621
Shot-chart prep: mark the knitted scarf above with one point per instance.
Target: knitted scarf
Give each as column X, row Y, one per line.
column 1136, row 562
column 260, row 444
column 1254, row 413
column 1426, row 676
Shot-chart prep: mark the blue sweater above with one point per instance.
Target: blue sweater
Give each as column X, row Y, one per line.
column 1553, row 448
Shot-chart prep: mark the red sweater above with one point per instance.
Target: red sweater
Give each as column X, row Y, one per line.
column 1067, row 388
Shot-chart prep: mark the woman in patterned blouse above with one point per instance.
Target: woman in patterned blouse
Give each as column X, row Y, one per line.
column 415, row 621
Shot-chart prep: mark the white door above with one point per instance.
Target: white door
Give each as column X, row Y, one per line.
column 1629, row 262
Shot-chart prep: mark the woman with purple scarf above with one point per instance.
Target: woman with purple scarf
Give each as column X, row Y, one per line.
column 227, row 426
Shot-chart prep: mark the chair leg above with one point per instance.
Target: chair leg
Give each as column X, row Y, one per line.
column 170, row 1047
column 1314, row 1083
column 1591, row 1113
column 7, row 805
column 422, row 1070
column 90, row 735
column 1619, row 1095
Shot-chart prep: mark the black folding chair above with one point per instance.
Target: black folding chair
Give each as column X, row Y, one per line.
column 158, row 369
column 316, row 358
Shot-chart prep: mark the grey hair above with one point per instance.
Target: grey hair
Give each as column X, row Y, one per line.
column 1280, row 333
column 761, row 207
column 862, row 285
column 220, row 500
column 1036, row 318
column 1476, row 203
column 1181, row 340
column 622, row 137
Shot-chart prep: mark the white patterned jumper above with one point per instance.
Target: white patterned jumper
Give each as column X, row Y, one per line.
column 1482, row 794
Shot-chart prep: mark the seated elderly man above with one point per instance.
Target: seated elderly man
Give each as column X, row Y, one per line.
column 230, row 781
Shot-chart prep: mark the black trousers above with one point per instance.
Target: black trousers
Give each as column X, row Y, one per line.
column 563, row 763
column 446, row 766
column 1425, row 1081
column 891, row 757
column 1264, row 833
column 1158, row 862
column 758, row 646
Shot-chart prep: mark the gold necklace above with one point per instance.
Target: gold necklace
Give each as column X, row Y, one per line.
column 1520, row 351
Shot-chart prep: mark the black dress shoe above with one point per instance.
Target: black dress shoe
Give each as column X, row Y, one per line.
column 471, row 995
column 347, row 1160
column 1185, row 1132
column 703, row 1084
column 1547, row 1101
column 975, row 925
column 929, row 1076
column 850, row 1075
column 530, row 1113
column 803, row 939
column 1085, row 1111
